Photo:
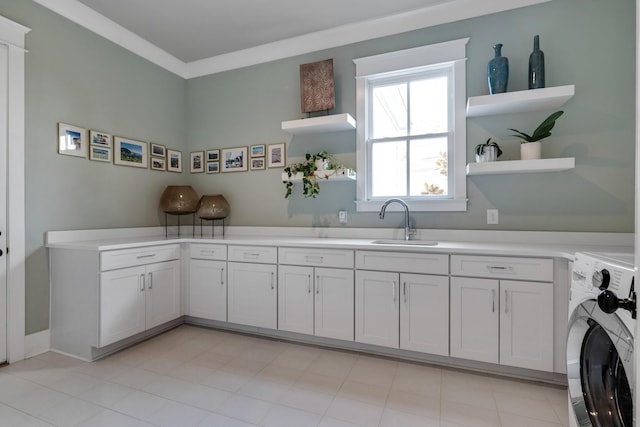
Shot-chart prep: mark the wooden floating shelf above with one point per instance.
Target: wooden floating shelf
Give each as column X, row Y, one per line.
column 325, row 175
column 522, row 101
column 521, row 166
column 332, row 123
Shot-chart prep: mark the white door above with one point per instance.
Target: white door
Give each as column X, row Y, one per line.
column 334, row 303
column 4, row 61
column 424, row 313
column 122, row 304
column 252, row 293
column 163, row 293
column 474, row 319
column 295, row 299
column 377, row 309
column 208, row 289
column 526, row 325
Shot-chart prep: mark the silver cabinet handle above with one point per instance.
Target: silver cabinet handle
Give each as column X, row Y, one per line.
column 314, row 258
column 404, row 286
column 251, row 255
column 142, row 283
column 506, row 301
column 150, row 281
column 318, row 284
column 145, row 256
column 222, row 276
column 499, row 268
column 394, row 291
column 309, row 287
column 493, row 300
column 272, row 287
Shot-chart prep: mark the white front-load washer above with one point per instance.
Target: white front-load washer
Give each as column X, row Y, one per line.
column 602, row 311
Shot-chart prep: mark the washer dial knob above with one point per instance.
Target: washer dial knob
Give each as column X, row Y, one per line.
column 601, row 279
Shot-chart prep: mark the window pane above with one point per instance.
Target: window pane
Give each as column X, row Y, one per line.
column 389, row 169
column 389, row 111
column 429, row 167
column 429, row 106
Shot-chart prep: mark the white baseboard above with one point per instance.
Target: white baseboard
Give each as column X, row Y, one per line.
column 37, row 343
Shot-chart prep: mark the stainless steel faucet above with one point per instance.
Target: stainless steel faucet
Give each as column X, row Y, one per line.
column 407, row 230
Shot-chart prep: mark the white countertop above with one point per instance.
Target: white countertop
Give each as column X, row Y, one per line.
column 543, row 244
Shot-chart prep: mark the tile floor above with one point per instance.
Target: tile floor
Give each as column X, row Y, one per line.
column 193, row 376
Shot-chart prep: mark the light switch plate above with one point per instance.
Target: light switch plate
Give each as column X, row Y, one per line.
column 492, row 216
column 342, row 217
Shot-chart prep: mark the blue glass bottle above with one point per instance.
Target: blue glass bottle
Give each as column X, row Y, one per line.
column 498, row 71
column 536, row 65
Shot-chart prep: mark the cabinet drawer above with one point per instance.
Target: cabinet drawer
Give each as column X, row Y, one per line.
column 200, row 251
column 540, row 269
column 316, row 257
column 260, row 254
column 110, row 260
column 403, row 262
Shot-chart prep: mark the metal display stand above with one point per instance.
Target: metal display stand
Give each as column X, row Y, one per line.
column 166, row 223
column 213, row 226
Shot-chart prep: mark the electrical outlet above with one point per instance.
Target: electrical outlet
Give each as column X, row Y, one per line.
column 492, row 216
column 342, row 217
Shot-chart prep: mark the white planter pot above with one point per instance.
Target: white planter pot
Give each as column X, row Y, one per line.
column 322, row 164
column 490, row 154
column 530, row 150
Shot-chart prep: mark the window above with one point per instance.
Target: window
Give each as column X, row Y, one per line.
column 412, row 128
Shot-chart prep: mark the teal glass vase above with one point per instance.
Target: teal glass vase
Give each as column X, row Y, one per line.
column 536, row 65
column 498, row 71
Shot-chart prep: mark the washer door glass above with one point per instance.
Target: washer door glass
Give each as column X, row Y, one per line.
column 599, row 365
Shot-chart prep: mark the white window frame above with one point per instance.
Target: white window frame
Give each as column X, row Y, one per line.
column 453, row 52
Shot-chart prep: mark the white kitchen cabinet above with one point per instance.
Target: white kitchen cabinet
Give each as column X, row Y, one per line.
column 377, row 311
column 208, row 282
column 503, row 321
column 135, row 299
column 316, row 301
column 424, row 313
column 252, row 294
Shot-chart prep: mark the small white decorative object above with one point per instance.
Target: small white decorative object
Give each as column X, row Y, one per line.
column 530, row 150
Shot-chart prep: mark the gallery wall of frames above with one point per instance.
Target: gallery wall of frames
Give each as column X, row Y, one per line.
column 105, row 147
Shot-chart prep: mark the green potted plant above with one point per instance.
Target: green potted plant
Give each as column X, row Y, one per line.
column 488, row 152
column 530, row 147
column 308, row 168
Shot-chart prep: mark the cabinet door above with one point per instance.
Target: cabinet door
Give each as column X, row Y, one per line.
column 424, row 313
column 334, row 303
column 526, row 324
column 474, row 319
column 252, row 294
column 122, row 304
column 295, row 299
column 163, row 293
column 377, row 308
column 208, row 289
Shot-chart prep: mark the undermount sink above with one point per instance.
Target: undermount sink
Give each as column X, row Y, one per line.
column 405, row 242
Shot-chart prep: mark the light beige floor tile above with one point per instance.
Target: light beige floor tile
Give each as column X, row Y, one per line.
column 417, row 381
column 70, row 412
column 307, row 400
column 135, row 377
column 280, row 374
column 333, row 422
column 191, row 372
column 264, row 390
column 35, row 401
column 296, row 357
column 319, row 383
column 467, row 415
column 168, row 387
column 514, row 420
column 355, row 412
column 160, row 364
column 245, row 408
column 457, row 392
column 108, row 418
column 15, row 418
column 140, row 405
column 177, row 414
column 226, row 380
column 467, row 379
column 392, row 418
column 246, row 367
column 217, row 420
column 106, row 394
column 417, row 404
column 367, row 393
column 204, row 397
column 382, row 375
column 529, row 408
column 283, row 416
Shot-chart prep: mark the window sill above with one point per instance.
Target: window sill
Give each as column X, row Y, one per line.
column 441, row 205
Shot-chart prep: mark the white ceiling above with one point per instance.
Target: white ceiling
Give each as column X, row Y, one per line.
column 199, row 37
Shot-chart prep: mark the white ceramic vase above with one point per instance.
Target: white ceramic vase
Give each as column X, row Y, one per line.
column 489, row 154
column 530, row 150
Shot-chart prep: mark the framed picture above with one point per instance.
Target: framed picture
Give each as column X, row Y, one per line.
column 100, row 138
column 99, row 153
column 158, row 163
column 257, row 150
column 213, row 167
column 234, row 159
column 158, row 150
column 130, row 152
column 257, row 163
column 196, row 160
column 213, row 155
column 174, row 160
column 72, row 140
column 276, row 155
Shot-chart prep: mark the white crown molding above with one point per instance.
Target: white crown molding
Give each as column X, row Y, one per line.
column 445, row 12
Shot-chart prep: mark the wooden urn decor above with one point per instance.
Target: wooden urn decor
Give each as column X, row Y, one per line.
column 317, row 88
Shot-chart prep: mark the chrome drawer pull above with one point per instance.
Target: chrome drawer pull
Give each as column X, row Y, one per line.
column 309, row 288
column 222, row 276
column 251, row 255
column 318, row 284
column 145, row 256
column 316, row 259
column 493, row 300
column 150, row 280
column 394, row 291
column 142, row 284
column 500, row 268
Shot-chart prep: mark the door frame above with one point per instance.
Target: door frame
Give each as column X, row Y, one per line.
column 13, row 35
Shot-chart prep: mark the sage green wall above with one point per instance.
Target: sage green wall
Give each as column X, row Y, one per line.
column 77, row 77
column 588, row 43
